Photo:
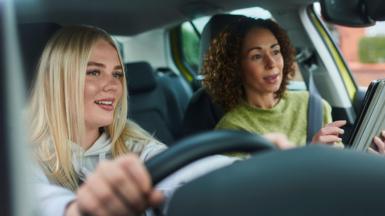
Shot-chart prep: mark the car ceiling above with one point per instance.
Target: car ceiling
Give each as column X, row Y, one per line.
column 130, row 17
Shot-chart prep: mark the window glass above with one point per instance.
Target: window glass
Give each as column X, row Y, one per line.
column 363, row 50
column 119, row 41
column 190, row 45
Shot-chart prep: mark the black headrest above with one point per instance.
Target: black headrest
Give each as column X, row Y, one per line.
column 140, row 77
column 33, row 38
column 216, row 24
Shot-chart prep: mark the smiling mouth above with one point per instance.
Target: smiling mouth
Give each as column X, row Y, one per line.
column 105, row 104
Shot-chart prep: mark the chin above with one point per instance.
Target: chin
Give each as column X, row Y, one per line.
column 105, row 122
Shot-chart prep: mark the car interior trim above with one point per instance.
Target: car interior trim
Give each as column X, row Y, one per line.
column 342, row 98
column 349, row 82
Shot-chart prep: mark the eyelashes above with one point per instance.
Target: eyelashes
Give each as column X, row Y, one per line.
column 95, row 73
column 118, row 74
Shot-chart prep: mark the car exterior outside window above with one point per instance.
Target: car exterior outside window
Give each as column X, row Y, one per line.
column 363, row 50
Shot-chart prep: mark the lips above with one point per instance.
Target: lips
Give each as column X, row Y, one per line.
column 272, row 79
column 106, row 104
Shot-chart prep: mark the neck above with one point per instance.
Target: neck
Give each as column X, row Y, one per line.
column 263, row 101
column 90, row 137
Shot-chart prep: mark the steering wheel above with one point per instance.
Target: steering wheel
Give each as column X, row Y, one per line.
column 202, row 145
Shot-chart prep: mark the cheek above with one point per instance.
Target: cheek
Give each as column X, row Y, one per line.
column 119, row 90
column 252, row 71
column 90, row 90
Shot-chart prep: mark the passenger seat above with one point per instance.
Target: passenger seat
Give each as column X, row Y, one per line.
column 202, row 114
column 153, row 101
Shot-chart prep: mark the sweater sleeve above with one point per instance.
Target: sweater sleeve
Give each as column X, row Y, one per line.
column 52, row 199
column 327, row 113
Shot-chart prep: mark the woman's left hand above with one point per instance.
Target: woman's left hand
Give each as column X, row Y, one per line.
column 379, row 143
column 280, row 140
column 330, row 134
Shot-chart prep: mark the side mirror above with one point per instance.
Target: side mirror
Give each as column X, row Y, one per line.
column 351, row 13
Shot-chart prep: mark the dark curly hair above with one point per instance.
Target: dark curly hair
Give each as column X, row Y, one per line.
column 222, row 63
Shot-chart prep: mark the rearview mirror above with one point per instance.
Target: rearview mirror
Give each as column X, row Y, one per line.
column 375, row 9
column 351, row 13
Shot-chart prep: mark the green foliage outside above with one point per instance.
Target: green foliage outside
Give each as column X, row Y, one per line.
column 372, row 49
column 190, row 47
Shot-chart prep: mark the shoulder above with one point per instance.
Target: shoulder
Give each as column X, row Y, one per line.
column 144, row 148
column 295, row 100
column 233, row 119
column 297, row 95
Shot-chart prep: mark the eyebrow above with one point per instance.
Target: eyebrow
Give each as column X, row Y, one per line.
column 259, row 48
column 92, row 63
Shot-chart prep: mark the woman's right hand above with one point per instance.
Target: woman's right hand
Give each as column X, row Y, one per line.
column 330, row 134
column 118, row 187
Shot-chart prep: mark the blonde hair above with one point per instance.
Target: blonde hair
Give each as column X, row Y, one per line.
column 56, row 106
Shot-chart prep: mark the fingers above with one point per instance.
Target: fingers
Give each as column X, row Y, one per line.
column 124, row 185
column 156, row 198
column 131, row 164
column 380, row 143
column 329, row 139
column 88, row 203
column 330, row 134
column 119, row 187
column 98, row 197
column 332, row 130
column 338, row 123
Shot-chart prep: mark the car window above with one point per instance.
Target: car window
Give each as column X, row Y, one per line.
column 190, row 41
column 363, row 50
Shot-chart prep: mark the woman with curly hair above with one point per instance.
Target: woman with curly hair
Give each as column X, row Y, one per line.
column 246, row 71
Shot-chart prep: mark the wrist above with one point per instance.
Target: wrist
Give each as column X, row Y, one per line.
column 72, row 209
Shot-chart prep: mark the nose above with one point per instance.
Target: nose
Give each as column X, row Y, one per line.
column 111, row 84
column 269, row 61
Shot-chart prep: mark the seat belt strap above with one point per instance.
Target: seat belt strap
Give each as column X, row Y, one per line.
column 315, row 111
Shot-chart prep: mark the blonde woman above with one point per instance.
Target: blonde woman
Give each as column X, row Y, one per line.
column 78, row 112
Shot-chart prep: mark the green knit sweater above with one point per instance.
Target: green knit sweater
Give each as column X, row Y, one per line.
column 288, row 116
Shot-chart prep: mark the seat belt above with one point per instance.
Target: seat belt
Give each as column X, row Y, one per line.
column 306, row 59
column 314, row 110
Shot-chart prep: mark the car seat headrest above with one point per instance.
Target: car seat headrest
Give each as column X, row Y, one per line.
column 140, row 77
column 215, row 25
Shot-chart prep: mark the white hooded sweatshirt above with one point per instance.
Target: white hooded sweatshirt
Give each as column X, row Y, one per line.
column 53, row 199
